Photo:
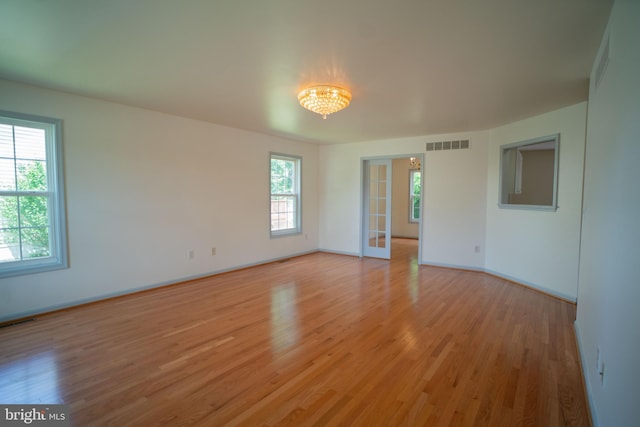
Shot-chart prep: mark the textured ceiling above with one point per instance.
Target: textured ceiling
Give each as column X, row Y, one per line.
column 414, row 67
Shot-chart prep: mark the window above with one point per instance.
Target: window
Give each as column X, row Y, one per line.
column 32, row 219
column 414, row 195
column 285, row 194
column 529, row 173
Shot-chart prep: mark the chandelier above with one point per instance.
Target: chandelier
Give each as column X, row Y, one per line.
column 324, row 99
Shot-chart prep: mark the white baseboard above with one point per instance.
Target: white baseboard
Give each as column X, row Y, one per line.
column 517, row 280
column 531, row 285
column 329, row 251
column 83, row 301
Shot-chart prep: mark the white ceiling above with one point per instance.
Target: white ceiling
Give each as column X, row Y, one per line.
column 414, row 67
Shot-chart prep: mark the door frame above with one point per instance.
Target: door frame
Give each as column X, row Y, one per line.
column 363, row 161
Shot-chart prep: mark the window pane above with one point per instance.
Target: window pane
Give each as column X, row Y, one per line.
column 6, row 141
column 287, row 183
column 282, row 176
column 7, row 174
column 416, row 182
column 373, row 239
column 8, row 212
column 33, row 211
column 35, row 242
column 283, row 212
column 373, row 222
column 382, row 206
column 373, row 172
column 276, row 173
column 373, row 189
column 9, row 245
column 32, row 175
column 30, row 143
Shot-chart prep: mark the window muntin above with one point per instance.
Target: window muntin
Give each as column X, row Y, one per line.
column 529, row 173
column 285, row 194
column 415, row 184
column 32, row 232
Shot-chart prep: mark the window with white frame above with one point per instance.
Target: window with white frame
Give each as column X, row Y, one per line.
column 285, row 194
column 415, row 183
column 32, row 217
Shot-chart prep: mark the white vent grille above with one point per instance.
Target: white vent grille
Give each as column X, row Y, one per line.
column 461, row 144
column 602, row 63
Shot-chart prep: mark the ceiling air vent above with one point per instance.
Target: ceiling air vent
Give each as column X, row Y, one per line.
column 462, row 144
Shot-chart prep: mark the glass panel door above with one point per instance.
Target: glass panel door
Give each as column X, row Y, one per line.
column 377, row 212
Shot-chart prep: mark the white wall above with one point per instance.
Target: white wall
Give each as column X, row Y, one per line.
column 143, row 188
column 609, row 288
column 539, row 248
column 454, row 193
column 400, row 224
column 455, row 196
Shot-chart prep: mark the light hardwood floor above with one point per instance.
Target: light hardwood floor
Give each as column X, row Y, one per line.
column 322, row 339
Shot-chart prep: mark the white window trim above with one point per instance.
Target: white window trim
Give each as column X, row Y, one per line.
column 58, row 258
column 298, row 195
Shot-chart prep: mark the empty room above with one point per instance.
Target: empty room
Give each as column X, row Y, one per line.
column 360, row 213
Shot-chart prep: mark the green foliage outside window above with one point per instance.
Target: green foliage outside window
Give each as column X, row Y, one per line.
column 282, row 176
column 415, row 195
column 24, row 219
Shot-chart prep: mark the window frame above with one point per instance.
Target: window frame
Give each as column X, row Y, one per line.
column 297, row 229
column 412, row 195
column 518, row 174
column 58, row 257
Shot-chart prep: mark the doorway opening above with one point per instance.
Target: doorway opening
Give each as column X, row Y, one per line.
column 392, row 206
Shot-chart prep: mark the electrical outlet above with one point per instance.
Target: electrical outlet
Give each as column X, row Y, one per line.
column 476, row 248
column 213, row 251
column 192, row 254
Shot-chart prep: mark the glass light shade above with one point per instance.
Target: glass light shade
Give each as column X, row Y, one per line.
column 324, row 99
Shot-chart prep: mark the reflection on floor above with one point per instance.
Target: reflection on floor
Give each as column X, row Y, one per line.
column 321, row 339
column 404, row 250
column 32, row 379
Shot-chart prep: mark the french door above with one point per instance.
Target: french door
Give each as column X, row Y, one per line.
column 376, row 233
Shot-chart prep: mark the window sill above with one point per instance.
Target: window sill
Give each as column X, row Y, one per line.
column 529, row 207
column 284, row 233
column 40, row 267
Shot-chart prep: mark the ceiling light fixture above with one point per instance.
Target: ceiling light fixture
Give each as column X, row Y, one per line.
column 324, row 99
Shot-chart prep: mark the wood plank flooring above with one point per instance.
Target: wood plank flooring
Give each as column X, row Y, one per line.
column 318, row 340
